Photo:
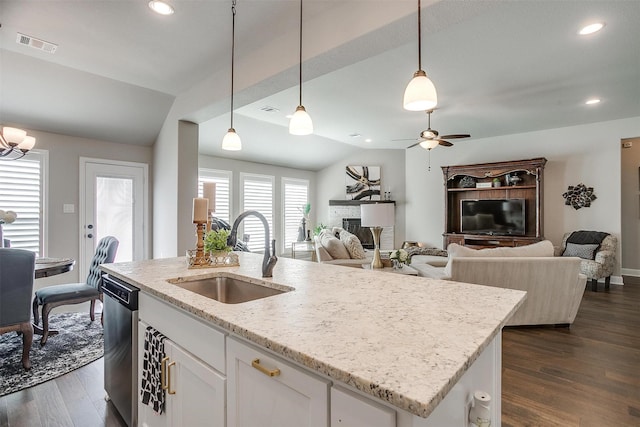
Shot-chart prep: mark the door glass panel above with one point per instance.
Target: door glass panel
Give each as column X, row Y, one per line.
column 114, row 213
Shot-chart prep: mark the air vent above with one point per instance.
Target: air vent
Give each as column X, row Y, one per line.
column 269, row 109
column 35, row 43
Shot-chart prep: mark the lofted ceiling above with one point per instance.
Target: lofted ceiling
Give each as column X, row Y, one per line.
column 500, row 67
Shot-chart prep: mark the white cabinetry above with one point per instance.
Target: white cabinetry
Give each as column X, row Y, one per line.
column 349, row 410
column 194, row 381
column 263, row 390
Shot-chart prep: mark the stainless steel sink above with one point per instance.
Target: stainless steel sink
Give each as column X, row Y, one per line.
column 229, row 290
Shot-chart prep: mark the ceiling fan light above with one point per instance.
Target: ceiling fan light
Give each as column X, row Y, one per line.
column 13, row 136
column 231, row 141
column 420, row 94
column 27, row 143
column 300, row 123
column 428, row 145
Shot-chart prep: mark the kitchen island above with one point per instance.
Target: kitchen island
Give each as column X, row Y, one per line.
column 401, row 342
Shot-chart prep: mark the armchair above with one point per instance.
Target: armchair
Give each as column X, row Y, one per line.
column 16, row 286
column 597, row 263
column 75, row 293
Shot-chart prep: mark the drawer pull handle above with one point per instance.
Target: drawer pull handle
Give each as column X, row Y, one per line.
column 169, row 378
column 268, row 372
column 163, row 373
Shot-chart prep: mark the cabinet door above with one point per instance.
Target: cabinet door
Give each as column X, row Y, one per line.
column 291, row 397
column 349, row 410
column 196, row 392
column 146, row 416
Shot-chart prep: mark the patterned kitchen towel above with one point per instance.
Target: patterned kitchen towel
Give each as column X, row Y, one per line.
column 151, row 392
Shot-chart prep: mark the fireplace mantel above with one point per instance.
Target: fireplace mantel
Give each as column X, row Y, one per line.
column 350, row 209
column 357, row 202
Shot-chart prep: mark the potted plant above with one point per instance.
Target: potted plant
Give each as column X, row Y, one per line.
column 400, row 257
column 496, row 182
column 215, row 242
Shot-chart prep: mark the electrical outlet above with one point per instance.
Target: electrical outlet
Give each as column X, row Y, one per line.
column 68, row 208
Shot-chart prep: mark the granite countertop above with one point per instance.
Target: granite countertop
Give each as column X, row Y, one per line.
column 404, row 339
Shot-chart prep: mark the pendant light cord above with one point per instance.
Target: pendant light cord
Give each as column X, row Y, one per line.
column 419, row 38
column 300, row 61
column 233, row 48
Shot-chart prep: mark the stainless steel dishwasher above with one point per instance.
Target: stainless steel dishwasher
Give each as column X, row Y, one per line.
column 121, row 347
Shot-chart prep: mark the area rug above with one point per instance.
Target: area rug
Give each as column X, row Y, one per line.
column 79, row 342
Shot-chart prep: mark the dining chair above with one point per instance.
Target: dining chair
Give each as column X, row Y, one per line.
column 16, row 286
column 75, row 293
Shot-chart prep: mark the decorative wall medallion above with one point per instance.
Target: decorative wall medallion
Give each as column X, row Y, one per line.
column 579, row 196
column 363, row 183
column 467, row 182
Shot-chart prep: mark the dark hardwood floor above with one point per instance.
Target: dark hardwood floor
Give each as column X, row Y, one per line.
column 74, row 399
column 586, row 375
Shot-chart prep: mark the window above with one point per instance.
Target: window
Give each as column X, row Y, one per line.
column 223, row 191
column 22, row 191
column 295, row 194
column 257, row 194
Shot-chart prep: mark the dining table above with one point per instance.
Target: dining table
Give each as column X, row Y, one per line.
column 47, row 267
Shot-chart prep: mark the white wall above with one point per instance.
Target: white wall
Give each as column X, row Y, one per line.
column 237, row 166
column 331, row 183
column 588, row 154
column 630, row 162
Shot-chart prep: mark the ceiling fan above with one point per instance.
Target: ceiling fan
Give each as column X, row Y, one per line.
column 430, row 138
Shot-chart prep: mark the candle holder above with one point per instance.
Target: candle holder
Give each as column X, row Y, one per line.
column 198, row 260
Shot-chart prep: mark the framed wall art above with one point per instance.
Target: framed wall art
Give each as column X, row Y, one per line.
column 363, row 183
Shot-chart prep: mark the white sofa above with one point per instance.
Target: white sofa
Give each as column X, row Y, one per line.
column 331, row 249
column 554, row 285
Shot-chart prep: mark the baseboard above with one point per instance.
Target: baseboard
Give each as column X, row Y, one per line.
column 615, row 280
column 630, row 272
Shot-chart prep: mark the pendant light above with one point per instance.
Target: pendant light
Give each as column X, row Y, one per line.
column 420, row 94
column 231, row 140
column 300, row 123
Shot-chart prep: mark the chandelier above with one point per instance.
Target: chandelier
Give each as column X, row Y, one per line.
column 15, row 143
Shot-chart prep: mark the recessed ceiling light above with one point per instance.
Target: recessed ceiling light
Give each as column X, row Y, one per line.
column 161, row 7
column 591, row 28
column 368, row 140
column 355, row 135
column 592, row 101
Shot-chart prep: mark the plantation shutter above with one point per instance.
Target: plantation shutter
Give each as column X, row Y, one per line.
column 295, row 195
column 21, row 192
column 257, row 194
column 222, row 180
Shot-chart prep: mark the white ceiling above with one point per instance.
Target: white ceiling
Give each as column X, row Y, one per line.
column 500, row 67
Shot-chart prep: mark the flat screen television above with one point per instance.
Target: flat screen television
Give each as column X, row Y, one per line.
column 499, row 217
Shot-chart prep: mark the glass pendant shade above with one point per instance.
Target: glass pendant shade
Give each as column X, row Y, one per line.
column 27, row 143
column 231, row 141
column 13, row 136
column 300, row 123
column 420, row 94
column 429, row 144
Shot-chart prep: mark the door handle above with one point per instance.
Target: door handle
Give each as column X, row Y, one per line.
column 90, row 236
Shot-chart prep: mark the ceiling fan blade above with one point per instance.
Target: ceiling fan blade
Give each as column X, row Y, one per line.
column 444, row 143
column 413, row 145
column 455, row 136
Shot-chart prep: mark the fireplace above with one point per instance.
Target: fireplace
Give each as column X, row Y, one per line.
column 352, row 225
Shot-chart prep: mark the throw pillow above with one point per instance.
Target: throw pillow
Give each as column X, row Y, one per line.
column 353, row 245
column 333, row 246
column 582, row 251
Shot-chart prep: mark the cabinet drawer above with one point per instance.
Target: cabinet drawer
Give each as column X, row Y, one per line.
column 202, row 339
column 263, row 390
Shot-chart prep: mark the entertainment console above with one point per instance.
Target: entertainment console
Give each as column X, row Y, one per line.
column 505, row 181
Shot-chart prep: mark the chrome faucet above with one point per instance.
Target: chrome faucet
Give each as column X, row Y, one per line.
column 269, row 260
